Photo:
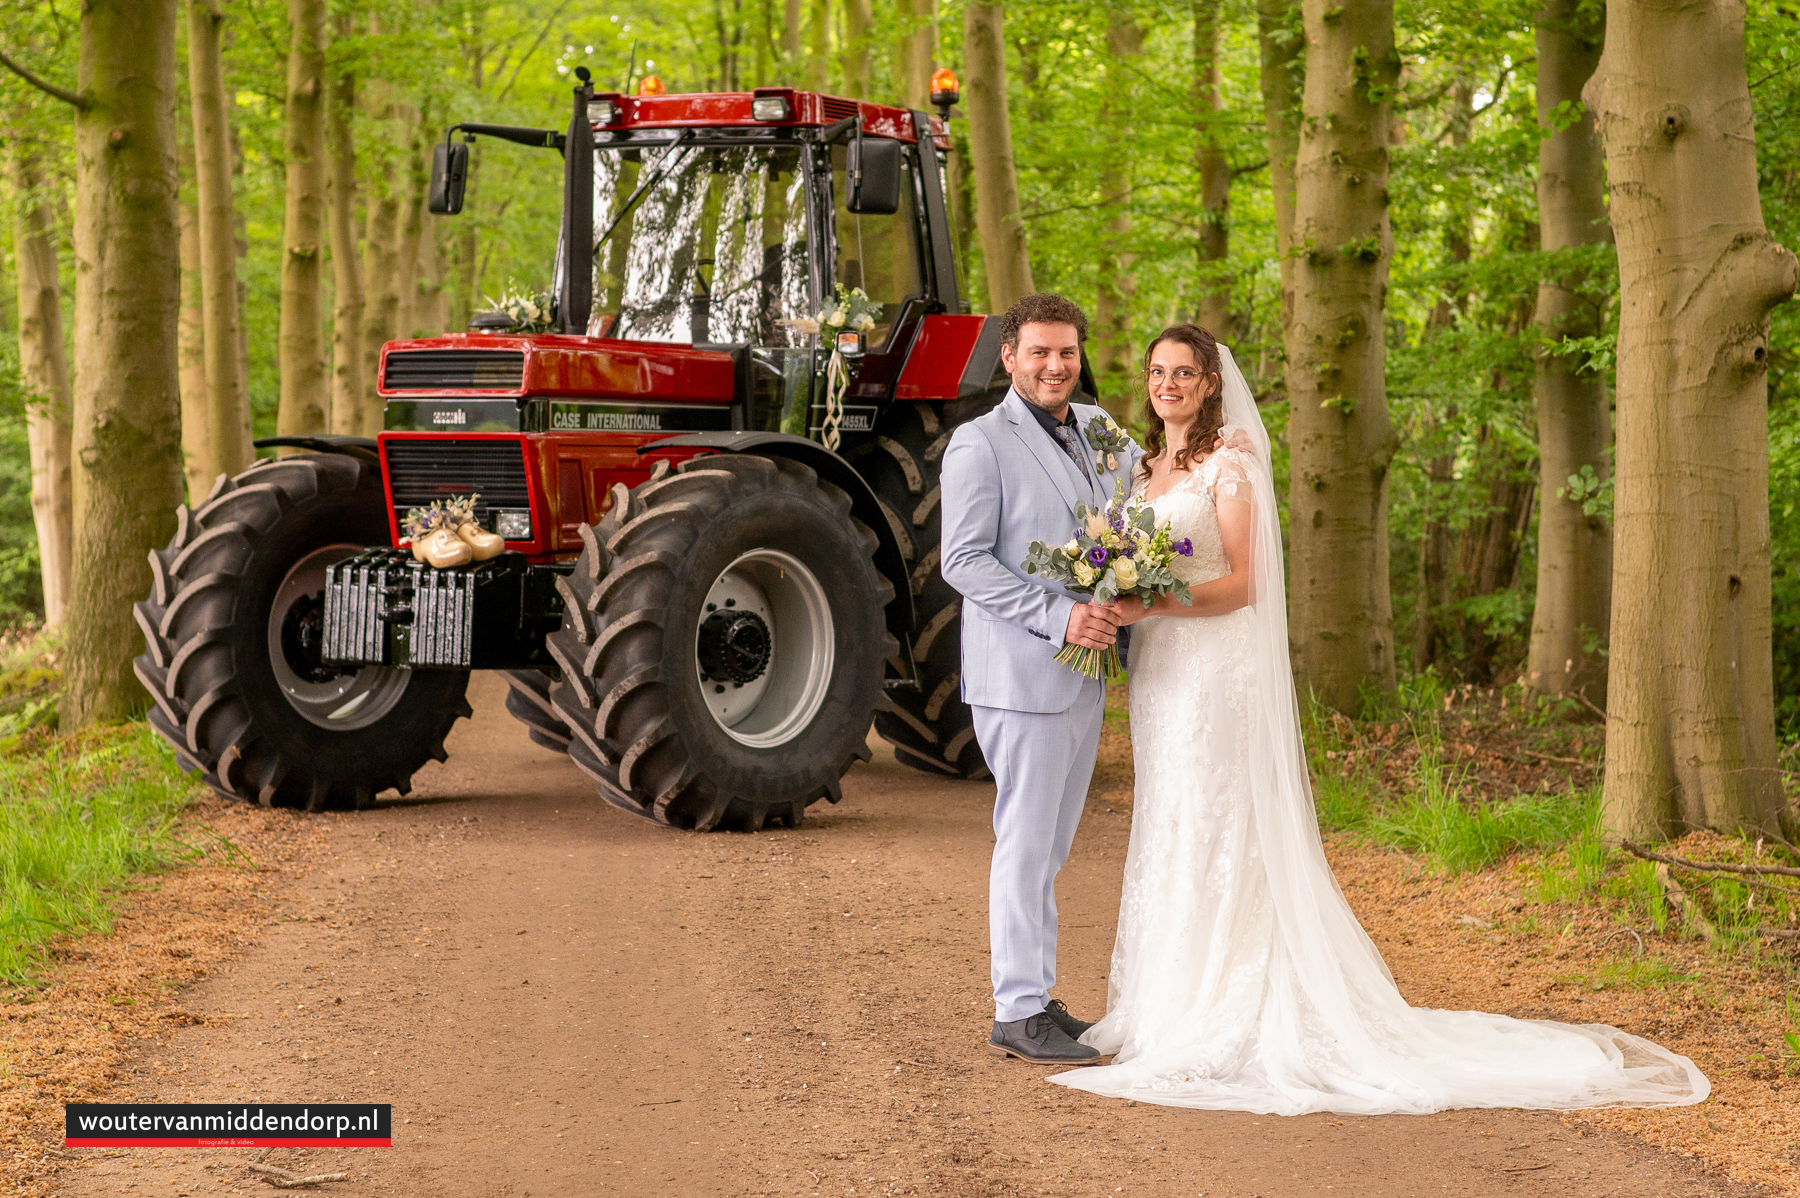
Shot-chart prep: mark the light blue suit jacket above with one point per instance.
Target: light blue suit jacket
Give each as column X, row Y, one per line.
column 1007, row 483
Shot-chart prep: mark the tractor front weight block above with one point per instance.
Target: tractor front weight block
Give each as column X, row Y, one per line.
column 382, row 607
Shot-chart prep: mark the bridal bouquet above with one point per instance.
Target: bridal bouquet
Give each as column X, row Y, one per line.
column 1120, row 550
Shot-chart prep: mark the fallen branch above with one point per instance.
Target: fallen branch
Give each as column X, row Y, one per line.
column 1637, row 850
column 1566, row 760
column 1691, row 915
column 281, row 1179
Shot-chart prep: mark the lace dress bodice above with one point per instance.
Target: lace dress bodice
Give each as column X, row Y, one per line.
column 1191, row 508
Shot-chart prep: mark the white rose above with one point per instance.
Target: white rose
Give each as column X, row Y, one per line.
column 836, row 317
column 865, row 322
column 1084, row 573
column 1125, row 570
column 1073, row 548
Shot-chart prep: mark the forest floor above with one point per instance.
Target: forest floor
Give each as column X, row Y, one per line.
column 559, row 999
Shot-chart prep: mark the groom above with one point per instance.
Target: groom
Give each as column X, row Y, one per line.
column 1009, row 478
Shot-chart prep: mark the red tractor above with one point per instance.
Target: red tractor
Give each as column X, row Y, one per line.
column 718, row 568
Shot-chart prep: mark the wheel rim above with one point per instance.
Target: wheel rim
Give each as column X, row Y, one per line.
column 344, row 702
column 768, row 706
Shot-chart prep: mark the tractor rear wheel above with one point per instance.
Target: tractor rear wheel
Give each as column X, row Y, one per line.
column 528, row 701
column 721, row 645
column 931, row 728
column 232, row 638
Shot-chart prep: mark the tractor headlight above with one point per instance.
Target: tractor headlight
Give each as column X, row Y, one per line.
column 513, row 524
column 769, row 108
column 602, row 113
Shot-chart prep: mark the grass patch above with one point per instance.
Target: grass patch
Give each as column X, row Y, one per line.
column 1632, row 973
column 79, row 820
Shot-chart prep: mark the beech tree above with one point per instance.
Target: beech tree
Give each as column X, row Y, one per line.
column 1690, row 739
column 44, row 364
column 305, row 393
column 1340, row 438
column 227, row 409
column 127, row 422
column 348, row 401
column 1574, row 422
column 1213, row 311
column 1004, row 254
column 1111, row 345
column 915, row 53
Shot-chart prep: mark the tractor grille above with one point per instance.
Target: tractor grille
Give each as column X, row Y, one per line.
column 454, row 369
column 837, row 109
column 428, row 470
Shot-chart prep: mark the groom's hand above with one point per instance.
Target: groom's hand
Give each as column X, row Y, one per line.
column 1238, row 440
column 1092, row 626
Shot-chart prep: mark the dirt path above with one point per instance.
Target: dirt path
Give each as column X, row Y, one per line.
column 561, row 1000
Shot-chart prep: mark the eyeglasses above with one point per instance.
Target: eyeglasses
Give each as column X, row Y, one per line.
column 1182, row 375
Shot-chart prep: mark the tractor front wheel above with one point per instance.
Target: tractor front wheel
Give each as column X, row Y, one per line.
column 232, row 634
column 722, row 644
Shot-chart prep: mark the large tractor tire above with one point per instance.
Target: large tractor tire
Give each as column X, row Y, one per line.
column 528, row 701
column 231, row 645
column 722, row 644
column 931, row 728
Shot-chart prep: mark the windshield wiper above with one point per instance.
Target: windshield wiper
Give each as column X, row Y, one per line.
column 667, row 164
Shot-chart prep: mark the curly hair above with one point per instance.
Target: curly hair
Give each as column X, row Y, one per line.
column 1205, row 429
column 1041, row 307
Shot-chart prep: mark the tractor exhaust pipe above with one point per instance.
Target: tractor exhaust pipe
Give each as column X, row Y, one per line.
column 576, row 302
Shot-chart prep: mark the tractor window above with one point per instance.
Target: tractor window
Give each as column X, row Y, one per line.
column 880, row 254
column 706, row 244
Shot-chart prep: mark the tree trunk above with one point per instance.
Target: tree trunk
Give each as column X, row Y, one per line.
column 818, row 54
column 1282, row 64
column 1440, row 470
column 1690, row 738
column 1574, row 575
column 859, row 18
column 790, row 42
column 1006, row 260
column 348, row 400
column 962, row 215
column 381, row 317
column 44, row 364
column 305, row 394
column 1340, row 438
column 413, row 218
column 1213, row 311
column 1111, row 352
column 198, row 460
column 913, row 56
column 127, row 425
column 227, row 392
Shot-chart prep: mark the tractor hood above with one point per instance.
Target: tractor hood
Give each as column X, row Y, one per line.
column 478, row 382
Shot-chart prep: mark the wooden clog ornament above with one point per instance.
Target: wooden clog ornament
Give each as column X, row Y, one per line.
column 432, row 534
column 482, row 543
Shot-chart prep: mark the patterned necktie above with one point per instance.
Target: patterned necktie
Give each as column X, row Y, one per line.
column 1066, row 437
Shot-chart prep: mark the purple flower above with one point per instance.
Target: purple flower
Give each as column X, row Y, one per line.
column 1185, row 547
column 1097, row 556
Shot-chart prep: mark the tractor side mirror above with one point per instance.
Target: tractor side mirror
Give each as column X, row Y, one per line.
column 449, row 176
column 874, row 176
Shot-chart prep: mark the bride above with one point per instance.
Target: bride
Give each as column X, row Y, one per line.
column 1240, row 978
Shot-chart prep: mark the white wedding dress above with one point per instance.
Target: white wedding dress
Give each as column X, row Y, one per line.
column 1241, row 979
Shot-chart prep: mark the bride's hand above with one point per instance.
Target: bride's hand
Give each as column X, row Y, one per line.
column 1131, row 610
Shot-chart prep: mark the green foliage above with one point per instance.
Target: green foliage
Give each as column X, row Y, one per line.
column 1434, row 820
column 77, row 824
